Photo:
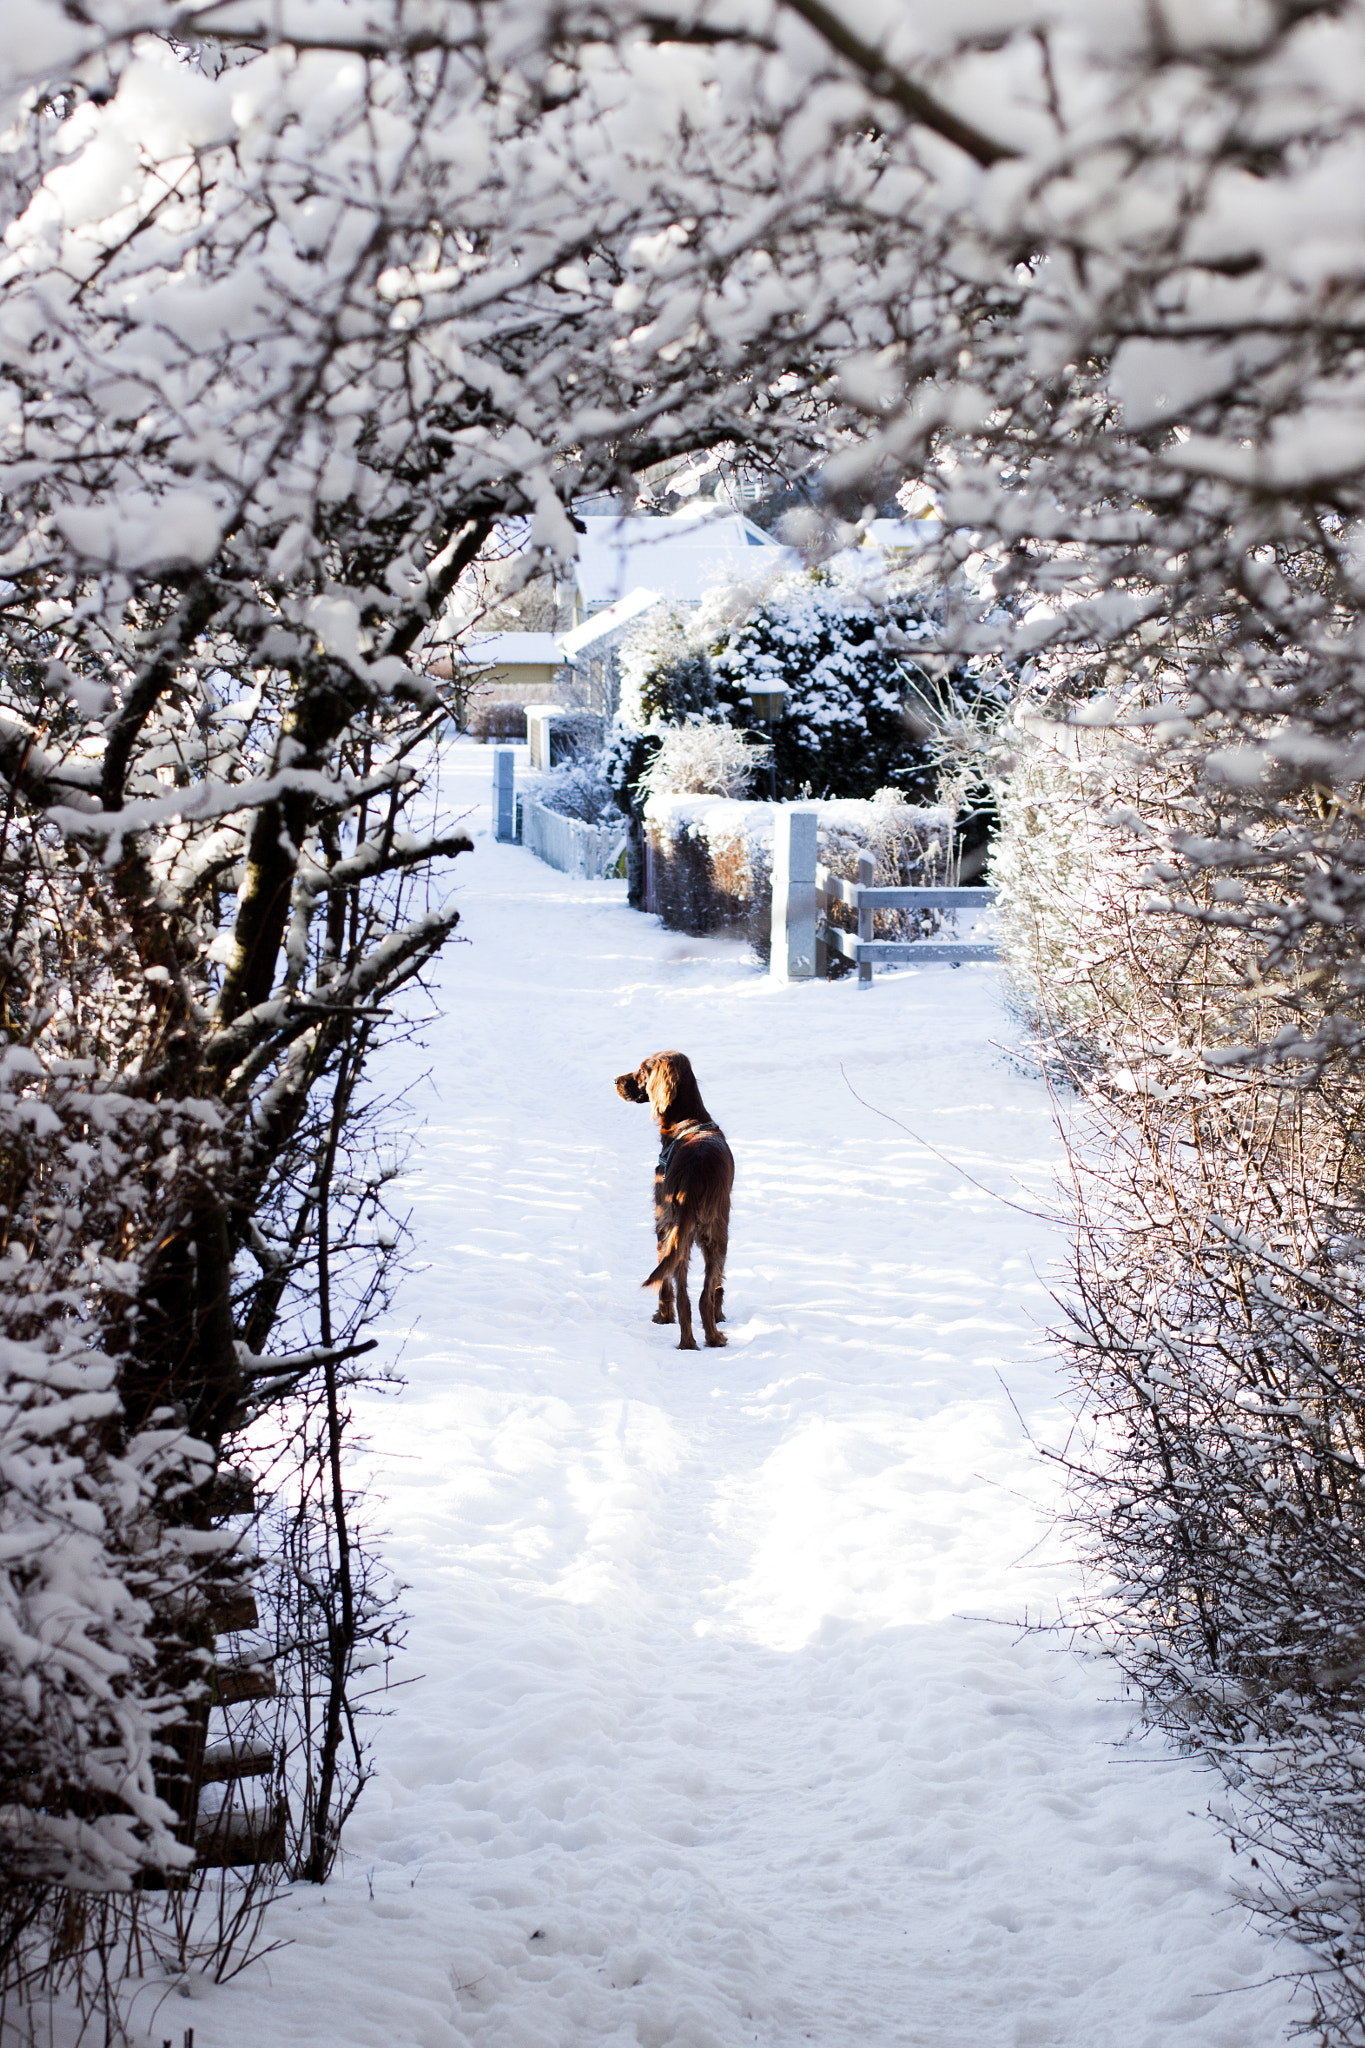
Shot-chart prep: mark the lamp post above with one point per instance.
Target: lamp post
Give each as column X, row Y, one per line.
column 767, row 699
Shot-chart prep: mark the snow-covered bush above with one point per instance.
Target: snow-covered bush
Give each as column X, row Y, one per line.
column 575, row 735
column 1216, row 1327
column 83, row 1723
column 843, row 731
column 581, row 789
column 914, row 846
column 703, row 759
column 1058, row 870
column 94, row 1571
column 1216, row 1321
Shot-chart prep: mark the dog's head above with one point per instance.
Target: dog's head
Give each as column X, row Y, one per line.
column 666, row 1082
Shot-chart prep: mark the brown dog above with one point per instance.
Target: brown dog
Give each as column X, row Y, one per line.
column 691, row 1190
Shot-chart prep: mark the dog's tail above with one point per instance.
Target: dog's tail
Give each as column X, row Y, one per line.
column 675, row 1248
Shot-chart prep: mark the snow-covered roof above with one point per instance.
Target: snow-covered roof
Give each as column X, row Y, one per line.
column 512, row 650
column 883, row 539
column 609, row 620
column 903, row 533
column 682, row 557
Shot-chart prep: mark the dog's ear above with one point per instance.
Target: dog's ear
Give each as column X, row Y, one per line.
column 673, row 1088
column 665, row 1081
column 628, row 1085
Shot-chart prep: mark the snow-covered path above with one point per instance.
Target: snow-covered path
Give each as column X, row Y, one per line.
column 702, row 1751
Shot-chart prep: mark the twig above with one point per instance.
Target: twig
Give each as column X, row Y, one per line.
column 1037, row 1214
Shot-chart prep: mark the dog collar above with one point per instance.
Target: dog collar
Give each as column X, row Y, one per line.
column 688, row 1130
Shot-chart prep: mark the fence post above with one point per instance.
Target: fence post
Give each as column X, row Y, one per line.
column 504, row 809
column 539, row 735
column 794, row 850
column 867, row 868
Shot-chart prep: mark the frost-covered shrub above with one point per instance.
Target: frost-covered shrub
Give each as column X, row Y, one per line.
column 96, row 1582
column 913, row 846
column 82, row 1721
column 581, row 789
column 575, row 734
column 1216, row 1324
column 1059, row 873
column 703, row 759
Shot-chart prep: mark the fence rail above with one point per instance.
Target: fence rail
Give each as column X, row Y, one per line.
column 591, row 851
column 862, row 948
column 835, row 889
column 805, row 891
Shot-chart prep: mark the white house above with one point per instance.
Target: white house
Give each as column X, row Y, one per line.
column 683, row 556
column 591, row 650
column 626, row 564
column 515, row 668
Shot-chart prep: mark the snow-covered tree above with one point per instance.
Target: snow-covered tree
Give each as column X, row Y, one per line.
column 666, row 673
column 297, row 304
column 294, row 314
column 848, row 726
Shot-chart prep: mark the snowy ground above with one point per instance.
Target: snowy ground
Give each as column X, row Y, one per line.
column 722, row 1734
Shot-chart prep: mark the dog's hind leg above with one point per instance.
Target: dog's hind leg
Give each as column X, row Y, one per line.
column 713, row 1290
column 686, row 1341
column 664, row 1312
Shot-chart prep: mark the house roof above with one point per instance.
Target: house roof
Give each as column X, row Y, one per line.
column 512, row 650
column 903, row 533
column 682, row 557
column 611, row 619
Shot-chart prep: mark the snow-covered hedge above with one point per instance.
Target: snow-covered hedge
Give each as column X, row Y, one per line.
column 711, row 857
column 1064, row 882
column 90, row 1564
column 1216, row 1320
column 580, row 789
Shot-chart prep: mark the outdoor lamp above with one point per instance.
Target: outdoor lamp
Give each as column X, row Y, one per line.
column 766, row 698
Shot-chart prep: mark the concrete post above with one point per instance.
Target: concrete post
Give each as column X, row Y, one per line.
column 867, row 868
column 504, row 802
column 538, row 717
column 794, row 849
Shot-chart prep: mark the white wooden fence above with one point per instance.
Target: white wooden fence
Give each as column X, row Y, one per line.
column 804, row 891
column 567, row 844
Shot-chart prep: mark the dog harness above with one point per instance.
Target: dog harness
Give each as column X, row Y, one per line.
column 688, row 1130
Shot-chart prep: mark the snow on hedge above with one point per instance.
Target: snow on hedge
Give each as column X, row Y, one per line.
column 712, row 856
column 918, row 833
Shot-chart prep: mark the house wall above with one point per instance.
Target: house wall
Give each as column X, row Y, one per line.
column 530, row 682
